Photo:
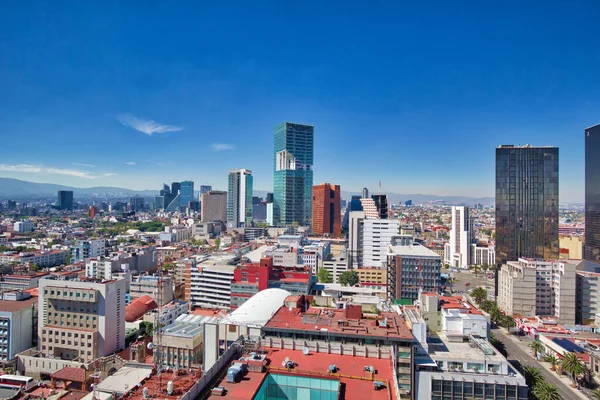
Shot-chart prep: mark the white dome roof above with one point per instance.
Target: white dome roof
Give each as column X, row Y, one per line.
column 258, row 309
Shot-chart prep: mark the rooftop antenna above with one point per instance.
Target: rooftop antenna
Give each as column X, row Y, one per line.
column 380, row 191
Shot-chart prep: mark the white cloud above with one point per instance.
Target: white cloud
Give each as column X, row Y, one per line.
column 146, row 126
column 130, row 163
column 84, row 165
column 70, row 172
column 222, row 146
column 20, row 168
column 54, row 171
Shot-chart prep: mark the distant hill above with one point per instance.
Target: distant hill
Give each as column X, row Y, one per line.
column 17, row 189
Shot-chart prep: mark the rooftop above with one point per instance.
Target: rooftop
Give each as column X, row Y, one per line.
column 186, row 330
column 415, row 250
column 454, row 351
column 387, row 325
column 12, row 306
column 357, row 382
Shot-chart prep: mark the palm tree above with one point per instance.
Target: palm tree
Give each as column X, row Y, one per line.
column 533, row 376
column 553, row 360
column 546, row 391
column 597, row 394
column 572, row 365
column 496, row 315
column 487, row 306
column 479, row 295
column 536, row 347
column 509, row 322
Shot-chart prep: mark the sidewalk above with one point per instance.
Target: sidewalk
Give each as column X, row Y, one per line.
column 547, row 366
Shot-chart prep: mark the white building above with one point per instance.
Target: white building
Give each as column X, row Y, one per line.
column 483, row 255
column 16, row 318
column 168, row 313
column 554, row 294
column 81, row 320
column 310, row 254
column 458, row 250
column 208, row 285
column 239, row 199
column 377, row 234
column 337, row 265
column 23, row 226
column 355, row 233
column 87, row 249
column 458, row 325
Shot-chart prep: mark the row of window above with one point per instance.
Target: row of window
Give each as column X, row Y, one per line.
column 70, row 294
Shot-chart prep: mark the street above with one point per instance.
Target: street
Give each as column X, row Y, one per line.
column 462, row 277
column 524, row 358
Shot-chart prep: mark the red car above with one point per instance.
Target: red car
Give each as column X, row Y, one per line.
column 468, row 284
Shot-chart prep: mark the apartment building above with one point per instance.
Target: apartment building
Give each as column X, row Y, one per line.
column 43, row 259
column 412, row 269
column 81, row 320
column 481, row 254
column 588, row 297
column 23, row 226
column 149, row 285
column 555, row 288
column 458, row 249
column 16, row 321
column 87, row 249
column 312, row 256
column 209, row 283
column 141, row 260
column 377, row 234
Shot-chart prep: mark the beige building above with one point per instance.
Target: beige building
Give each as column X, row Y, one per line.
column 571, row 247
column 372, row 276
column 81, row 320
column 148, row 285
column 214, row 206
column 554, row 294
column 182, row 344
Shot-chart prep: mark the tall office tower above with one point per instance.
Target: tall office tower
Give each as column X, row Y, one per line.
column 186, row 193
column 214, row 206
column 82, row 319
column 205, row 189
column 592, row 194
column 526, row 203
column 239, row 199
column 326, row 212
column 175, row 188
column 381, row 202
column 365, row 193
column 136, row 203
column 65, row 200
column 457, row 252
column 293, row 175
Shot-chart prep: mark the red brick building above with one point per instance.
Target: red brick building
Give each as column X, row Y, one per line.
column 326, row 210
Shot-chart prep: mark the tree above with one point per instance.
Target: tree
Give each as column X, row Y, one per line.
column 546, row 391
column 479, row 295
column 597, row 394
column 572, row 365
column 324, row 276
column 509, row 322
column 349, row 278
column 218, row 243
column 553, row 360
column 496, row 315
column 536, row 347
column 146, row 329
column 488, row 306
column 533, row 376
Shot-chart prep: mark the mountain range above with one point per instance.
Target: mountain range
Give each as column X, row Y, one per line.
column 18, row 189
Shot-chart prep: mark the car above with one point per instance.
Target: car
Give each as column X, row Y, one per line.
column 468, row 284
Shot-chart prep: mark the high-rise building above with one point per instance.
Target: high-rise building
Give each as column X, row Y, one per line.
column 214, row 206
column 326, row 212
column 205, row 189
column 186, row 193
column 239, row 198
column 293, row 175
column 87, row 249
column 136, row 203
column 365, row 193
column 65, row 200
column 376, row 235
column 592, row 194
column 530, row 288
column 412, row 268
column 81, row 320
column 458, row 250
column 175, row 188
column 381, row 202
column 526, row 203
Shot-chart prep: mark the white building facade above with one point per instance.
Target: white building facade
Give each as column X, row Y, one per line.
column 458, row 249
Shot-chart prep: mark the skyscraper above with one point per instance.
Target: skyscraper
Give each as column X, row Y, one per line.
column 65, row 200
column 239, row 199
column 175, row 188
column 526, row 203
column 381, row 202
column 592, row 194
column 326, row 212
column 458, row 251
column 293, row 175
column 205, row 189
column 214, row 206
column 136, row 203
column 186, row 191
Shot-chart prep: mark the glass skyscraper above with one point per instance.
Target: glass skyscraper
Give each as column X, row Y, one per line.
column 592, row 194
column 186, row 191
column 239, row 199
column 293, row 175
column 526, row 203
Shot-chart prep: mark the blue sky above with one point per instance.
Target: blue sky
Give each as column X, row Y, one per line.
column 417, row 96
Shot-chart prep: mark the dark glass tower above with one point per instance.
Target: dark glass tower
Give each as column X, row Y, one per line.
column 186, row 190
column 64, row 200
column 526, row 203
column 293, row 175
column 592, row 194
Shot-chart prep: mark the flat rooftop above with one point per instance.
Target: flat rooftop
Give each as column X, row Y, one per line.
column 356, row 382
column 335, row 321
column 184, row 329
column 454, row 351
column 415, row 250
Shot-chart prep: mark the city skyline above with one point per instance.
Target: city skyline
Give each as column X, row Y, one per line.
column 196, row 87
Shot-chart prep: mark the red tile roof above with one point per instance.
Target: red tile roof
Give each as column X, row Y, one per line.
column 71, row 374
column 139, row 307
column 12, row 306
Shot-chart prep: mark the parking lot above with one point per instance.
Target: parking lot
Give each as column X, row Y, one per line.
column 465, row 281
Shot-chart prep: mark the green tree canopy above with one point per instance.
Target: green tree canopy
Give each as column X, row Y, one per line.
column 349, row 278
column 546, row 391
column 323, row 276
